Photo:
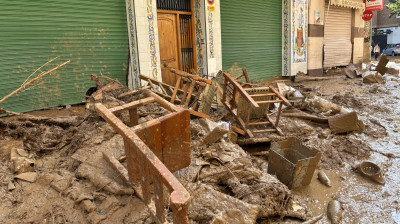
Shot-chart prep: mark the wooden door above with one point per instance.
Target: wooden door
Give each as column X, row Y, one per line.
column 169, row 48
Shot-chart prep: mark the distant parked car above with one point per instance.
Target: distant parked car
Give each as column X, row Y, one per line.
column 392, row 50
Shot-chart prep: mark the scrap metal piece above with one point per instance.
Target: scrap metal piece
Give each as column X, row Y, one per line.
column 292, row 162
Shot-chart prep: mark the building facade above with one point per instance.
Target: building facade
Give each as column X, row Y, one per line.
column 336, row 34
column 386, row 29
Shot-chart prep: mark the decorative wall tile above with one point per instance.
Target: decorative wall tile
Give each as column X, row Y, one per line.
column 285, row 38
column 133, row 78
column 299, row 28
column 152, row 39
column 198, row 12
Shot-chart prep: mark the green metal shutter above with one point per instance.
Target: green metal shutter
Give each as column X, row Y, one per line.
column 90, row 33
column 252, row 37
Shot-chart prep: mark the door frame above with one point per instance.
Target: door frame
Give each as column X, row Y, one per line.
column 177, row 13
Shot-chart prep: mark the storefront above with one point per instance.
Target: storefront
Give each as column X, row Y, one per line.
column 252, row 37
column 336, row 34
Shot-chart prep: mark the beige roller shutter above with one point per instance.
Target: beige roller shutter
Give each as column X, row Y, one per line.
column 337, row 36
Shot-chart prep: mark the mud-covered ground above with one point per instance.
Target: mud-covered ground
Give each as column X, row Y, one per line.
column 227, row 183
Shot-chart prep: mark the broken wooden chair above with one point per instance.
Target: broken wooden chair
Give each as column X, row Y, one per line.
column 153, row 151
column 189, row 96
column 233, row 92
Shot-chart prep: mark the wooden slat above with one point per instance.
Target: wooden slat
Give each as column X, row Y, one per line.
column 264, row 131
column 269, row 101
column 263, row 95
column 259, row 123
column 285, row 101
column 195, row 77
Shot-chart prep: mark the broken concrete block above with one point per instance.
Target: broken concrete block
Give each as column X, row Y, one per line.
column 61, row 183
column 88, row 205
column 30, row 177
column 19, row 157
column 11, row 186
column 207, row 204
column 215, row 135
column 372, row 77
column 381, row 67
column 346, row 123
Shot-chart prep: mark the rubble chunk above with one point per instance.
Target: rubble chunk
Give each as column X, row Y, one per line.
column 102, row 181
column 208, row 204
column 346, row 123
column 30, row 177
column 372, row 77
column 88, row 205
column 11, row 186
column 215, row 135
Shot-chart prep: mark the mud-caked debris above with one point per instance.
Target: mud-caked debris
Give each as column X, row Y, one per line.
column 29, row 176
column 102, row 181
column 324, row 179
column 372, row 77
column 88, row 206
column 345, row 123
column 317, row 104
column 334, row 212
column 210, row 206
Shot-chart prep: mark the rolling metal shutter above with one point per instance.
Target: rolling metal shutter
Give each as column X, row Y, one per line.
column 337, row 36
column 92, row 34
column 252, row 37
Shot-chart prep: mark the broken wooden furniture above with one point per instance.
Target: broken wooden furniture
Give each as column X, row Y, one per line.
column 153, row 151
column 233, row 91
column 187, row 92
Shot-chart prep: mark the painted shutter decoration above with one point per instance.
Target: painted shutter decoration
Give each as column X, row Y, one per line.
column 92, row 34
column 252, row 37
column 337, row 36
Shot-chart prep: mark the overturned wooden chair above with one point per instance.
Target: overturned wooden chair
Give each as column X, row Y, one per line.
column 153, row 151
column 247, row 107
column 187, row 92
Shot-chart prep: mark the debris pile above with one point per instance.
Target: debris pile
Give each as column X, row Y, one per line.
column 75, row 168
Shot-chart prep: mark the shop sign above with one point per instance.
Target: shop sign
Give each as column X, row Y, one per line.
column 367, row 15
column 210, row 2
column 375, row 5
column 348, row 3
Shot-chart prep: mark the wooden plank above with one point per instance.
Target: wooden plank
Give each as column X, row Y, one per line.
column 178, row 83
column 263, row 95
column 198, row 114
column 285, row 101
column 188, row 98
column 175, row 137
column 167, row 105
column 264, row 131
column 237, row 130
column 259, row 123
column 132, row 105
column 246, row 75
column 269, row 101
column 195, row 77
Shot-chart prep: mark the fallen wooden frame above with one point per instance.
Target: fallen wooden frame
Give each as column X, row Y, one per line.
column 143, row 164
column 233, row 90
column 188, row 97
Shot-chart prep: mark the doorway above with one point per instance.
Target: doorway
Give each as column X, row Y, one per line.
column 176, row 37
